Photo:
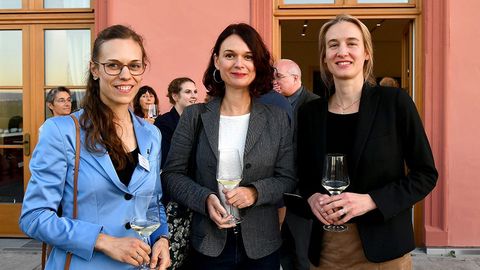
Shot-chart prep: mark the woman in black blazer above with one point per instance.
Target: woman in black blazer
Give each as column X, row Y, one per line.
column 380, row 131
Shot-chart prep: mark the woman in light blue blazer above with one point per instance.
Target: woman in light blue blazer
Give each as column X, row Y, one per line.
column 120, row 157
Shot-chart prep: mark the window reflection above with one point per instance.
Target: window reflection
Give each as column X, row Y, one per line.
column 11, row 157
column 67, row 54
column 11, row 57
column 77, row 96
column 66, row 4
column 10, row 4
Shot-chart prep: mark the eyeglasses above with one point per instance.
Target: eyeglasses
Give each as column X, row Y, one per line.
column 114, row 68
column 63, row 101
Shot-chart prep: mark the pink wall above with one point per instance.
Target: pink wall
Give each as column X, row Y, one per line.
column 462, row 101
column 452, row 70
column 179, row 34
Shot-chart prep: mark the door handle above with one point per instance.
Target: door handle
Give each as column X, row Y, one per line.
column 26, row 144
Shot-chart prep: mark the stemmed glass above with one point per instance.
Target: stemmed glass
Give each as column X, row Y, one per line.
column 335, row 180
column 229, row 175
column 146, row 217
column 152, row 111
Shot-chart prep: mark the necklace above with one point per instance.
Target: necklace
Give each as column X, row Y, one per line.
column 347, row 107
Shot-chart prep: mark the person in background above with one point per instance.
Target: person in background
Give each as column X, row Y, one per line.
column 59, row 101
column 240, row 68
column 379, row 130
column 119, row 158
column 182, row 93
column 389, row 81
column 145, row 97
column 296, row 229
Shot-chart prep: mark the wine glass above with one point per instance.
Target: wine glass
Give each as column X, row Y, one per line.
column 229, row 175
column 335, row 180
column 146, row 217
column 152, row 111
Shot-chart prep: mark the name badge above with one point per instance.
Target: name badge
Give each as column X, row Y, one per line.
column 143, row 162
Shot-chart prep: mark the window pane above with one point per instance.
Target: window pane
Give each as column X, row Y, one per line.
column 10, row 4
column 67, row 53
column 309, row 1
column 11, row 57
column 11, row 159
column 66, row 4
column 382, row 1
column 77, row 96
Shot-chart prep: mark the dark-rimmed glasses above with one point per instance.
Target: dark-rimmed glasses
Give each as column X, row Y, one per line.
column 114, row 68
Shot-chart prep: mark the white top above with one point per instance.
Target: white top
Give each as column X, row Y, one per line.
column 233, row 132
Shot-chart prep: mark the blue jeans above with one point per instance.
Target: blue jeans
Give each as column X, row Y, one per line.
column 234, row 257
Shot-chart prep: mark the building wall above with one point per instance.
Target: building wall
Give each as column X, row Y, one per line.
column 179, row 34
column 462, row 136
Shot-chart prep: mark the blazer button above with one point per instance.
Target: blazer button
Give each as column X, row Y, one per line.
column 127, row 226
column 248, row 165
column 128, row 196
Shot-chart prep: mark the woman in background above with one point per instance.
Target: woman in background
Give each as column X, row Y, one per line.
column 59, row 101
column 145, row 97
column 113, row 140
column 182, row 93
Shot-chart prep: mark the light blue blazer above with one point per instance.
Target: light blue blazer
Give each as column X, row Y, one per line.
column 104, row 202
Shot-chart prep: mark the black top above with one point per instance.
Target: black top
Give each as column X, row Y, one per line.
column 341, row 129
column 167, row 123
column 126, row 173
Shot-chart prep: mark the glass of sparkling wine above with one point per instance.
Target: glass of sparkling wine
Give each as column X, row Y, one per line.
column 335, row 180
column 152, row 111
column 229, row 175
column 146, row 217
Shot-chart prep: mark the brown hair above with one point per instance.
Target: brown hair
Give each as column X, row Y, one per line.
column 137, row 108
column 327, row 77
column 261, row 59
column 97, row 118
column 175, row 86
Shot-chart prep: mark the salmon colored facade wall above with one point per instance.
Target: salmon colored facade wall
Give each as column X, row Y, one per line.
column 452, row 110
column 179, row 34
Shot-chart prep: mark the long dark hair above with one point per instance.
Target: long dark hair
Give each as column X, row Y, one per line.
column 137, row 108
column 261, row 59
column 97, row 119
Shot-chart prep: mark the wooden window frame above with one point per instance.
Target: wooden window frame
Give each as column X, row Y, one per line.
column 280, row 4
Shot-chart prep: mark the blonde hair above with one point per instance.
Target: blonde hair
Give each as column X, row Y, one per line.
column 327, row 77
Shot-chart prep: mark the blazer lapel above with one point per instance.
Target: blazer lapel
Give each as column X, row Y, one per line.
column 255, row 126
column 144, row 143
column 211, row 119
column 368, row 108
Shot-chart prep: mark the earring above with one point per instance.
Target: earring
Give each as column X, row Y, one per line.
column 95, row 78
column 214, row 77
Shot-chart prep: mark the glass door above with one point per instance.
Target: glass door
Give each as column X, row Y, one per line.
column 14, row 125
column 43, row 44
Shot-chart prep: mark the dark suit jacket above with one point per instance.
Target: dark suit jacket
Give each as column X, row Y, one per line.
column 389, row 134
column 268, row 166
column 167, row 123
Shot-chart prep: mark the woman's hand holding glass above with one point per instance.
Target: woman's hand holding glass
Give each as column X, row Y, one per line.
column 217, row 213
column 126, row 249
column 160, row 255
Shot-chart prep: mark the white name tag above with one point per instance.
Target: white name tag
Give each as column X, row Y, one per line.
column 143, row 162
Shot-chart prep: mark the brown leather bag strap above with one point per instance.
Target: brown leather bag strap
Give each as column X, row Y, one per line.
column 75, row 180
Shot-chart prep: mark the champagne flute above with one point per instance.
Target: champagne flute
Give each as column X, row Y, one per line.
column 335, row 180
column 146, row 217
column 229, row 175
column 152, row 111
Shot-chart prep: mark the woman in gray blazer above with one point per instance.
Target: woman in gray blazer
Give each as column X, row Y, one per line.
column 240, row 68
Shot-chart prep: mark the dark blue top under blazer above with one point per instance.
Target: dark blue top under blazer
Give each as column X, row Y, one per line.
column 268, row 166
column 389, row 135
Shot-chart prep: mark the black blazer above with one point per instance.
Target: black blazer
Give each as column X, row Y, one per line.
column 389, row 134
column 167, row 123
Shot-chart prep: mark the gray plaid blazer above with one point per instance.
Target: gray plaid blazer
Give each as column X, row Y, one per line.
column 268, row 166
